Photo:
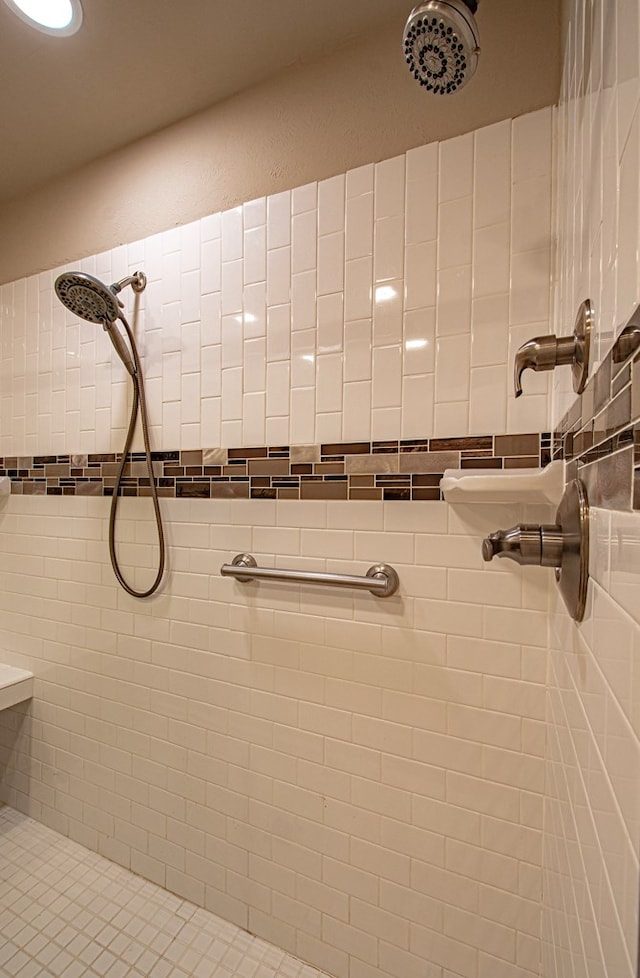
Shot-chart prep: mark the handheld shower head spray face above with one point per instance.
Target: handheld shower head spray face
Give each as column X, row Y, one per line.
column 92, row 300
column 87, row 297
column 441, row 44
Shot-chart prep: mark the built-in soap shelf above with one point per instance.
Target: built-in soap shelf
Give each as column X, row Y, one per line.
column 16, row 685
column 504, row 485
column 5, row 485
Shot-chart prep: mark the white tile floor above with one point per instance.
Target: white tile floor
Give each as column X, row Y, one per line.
column 66, row 912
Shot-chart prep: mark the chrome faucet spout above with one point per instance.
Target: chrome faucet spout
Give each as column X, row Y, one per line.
column 547, row 352
column 535, row 354
column 542, row 353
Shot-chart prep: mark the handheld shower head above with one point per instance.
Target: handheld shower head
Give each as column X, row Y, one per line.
column 95, row 302
column 90, row 299
column 441, row 44
column 87, row 297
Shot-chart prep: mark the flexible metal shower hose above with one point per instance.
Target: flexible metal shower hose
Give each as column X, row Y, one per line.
column 139, row 400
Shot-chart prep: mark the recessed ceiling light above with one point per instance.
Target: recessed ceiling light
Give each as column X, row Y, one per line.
column 62, row 17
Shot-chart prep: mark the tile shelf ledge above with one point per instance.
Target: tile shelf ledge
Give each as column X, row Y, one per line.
column 504, row 485
column 16, row 685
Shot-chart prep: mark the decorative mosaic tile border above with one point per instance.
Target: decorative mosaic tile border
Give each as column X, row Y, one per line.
column 407, row 470
column 600, row 435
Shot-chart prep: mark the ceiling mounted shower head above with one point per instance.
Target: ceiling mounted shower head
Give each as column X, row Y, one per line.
column 441, row 44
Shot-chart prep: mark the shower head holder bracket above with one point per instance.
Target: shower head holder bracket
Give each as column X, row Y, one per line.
column 137, row 281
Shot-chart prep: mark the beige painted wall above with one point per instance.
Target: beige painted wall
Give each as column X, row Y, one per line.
column 358, row 105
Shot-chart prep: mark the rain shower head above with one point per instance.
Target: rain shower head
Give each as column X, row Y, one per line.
column 92, row 300
column 441, row 44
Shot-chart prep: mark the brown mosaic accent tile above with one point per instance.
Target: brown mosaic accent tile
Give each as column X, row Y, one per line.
column 33, row 488
column 436, row 461
column 348, row 448
column 517, row 444
column 305, row 453
column 425, row 493
column 165, row 456
column 274, row 466
column 193, row 490
column 393, row 480
column 214, row 456
column 587, row 402
column 323, row 490
column 191, row 457
column 522, row 462
column 263, row 492
column 362, row 493
column 583, row 440
column 423, row 481
column 470, row 443
column 413, row 445
column 112, row 469
column 396, row 493
column 88, row 489
column 602, row 381
column 609, row 480
column 246, row 453
column 481, row 463
column 371, row 463
column 619, row 411
column 623, row 378
column 229, row 490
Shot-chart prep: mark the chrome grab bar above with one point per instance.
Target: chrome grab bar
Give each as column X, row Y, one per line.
column 381, row 579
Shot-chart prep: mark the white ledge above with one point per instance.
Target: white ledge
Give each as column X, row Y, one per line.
column 504, row 485
column 16, row 685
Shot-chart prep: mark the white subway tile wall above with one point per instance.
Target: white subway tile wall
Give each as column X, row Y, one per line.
column 591, row 879
column 357, row 780
column 381, row 303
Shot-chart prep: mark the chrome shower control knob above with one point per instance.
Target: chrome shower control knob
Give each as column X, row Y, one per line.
column 563, row 545
column 526, row 543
